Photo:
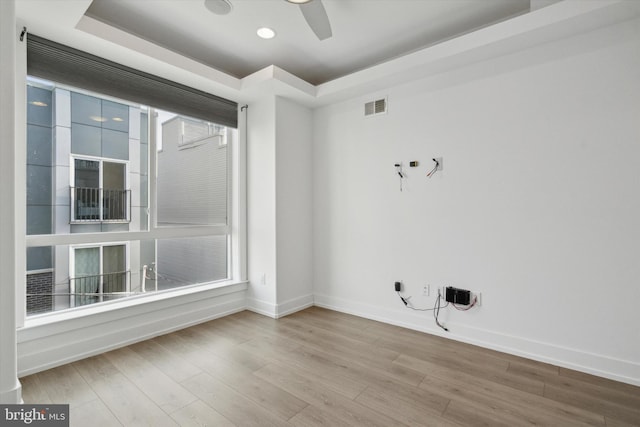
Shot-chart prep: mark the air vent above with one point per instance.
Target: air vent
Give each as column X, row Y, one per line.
column 379, row 106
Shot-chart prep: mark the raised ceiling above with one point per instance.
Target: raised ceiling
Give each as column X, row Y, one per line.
column 365, row 32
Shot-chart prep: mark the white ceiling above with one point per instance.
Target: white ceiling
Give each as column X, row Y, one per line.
column 365, row 32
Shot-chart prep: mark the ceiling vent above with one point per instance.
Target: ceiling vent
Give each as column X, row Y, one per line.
column 379, row 106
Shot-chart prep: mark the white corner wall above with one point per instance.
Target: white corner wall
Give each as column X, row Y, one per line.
column 537, row 206
column 279, row 185
column 293, row 206
column 261, row 206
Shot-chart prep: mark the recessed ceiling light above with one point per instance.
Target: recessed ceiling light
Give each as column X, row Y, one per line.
column 98, row 119
column 299, row 1
column 39, row 103
column 118, row 119
column 266, row 33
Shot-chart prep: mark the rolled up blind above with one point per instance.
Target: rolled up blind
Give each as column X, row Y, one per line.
column 63, row 64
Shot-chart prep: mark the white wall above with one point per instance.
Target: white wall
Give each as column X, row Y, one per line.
column 261, row 205
column 293, row 205
column 537, row 206
column 279, row 206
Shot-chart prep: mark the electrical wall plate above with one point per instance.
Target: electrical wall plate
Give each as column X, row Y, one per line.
column 478, row 297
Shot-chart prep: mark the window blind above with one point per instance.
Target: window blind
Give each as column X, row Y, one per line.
column 63, row 64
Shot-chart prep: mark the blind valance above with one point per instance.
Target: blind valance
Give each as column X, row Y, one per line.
column 63, row 64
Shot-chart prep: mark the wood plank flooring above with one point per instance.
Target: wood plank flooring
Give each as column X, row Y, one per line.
column 323, row 368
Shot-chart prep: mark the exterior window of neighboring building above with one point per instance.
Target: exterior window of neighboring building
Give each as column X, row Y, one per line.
column 99, row 191
column 100, row 273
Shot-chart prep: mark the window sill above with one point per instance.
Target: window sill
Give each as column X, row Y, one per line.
column 55, row 339
column 212, row 289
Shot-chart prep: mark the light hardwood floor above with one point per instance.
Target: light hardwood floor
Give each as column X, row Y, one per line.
column 323, row 368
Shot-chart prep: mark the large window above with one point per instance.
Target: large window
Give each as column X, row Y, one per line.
column 124, row 198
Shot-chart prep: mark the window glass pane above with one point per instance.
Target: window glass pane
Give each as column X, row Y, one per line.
column 86, row 194
column 187, row 261
column 85, row 283
column 192, row 171
column 39, row 145
column 87, row 262
column 115, row 195
column 115, row 145
column 114, row 176
column 39, row 106
column 114, row 259
column 86, row 109
column 105, row 185
column 86, row 140
column 39, row 159
column 116, row 115
column 87, row 173
column 67, row 276
column 114, row 271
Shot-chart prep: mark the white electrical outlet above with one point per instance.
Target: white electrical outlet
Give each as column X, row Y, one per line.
column 478, row 296
column 426, row 290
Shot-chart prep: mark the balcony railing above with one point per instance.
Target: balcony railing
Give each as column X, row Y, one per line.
column 100, row 205
column 102, row 287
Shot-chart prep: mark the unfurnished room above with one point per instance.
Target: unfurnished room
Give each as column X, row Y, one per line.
column 319, row 213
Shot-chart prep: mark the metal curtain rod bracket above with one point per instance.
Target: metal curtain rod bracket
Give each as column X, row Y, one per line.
column 436, row 168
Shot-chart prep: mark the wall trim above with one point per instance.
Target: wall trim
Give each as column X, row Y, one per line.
column 295, row 304
column 595, row 364
column 276, row 311
column 262, row 307
column 14, row 395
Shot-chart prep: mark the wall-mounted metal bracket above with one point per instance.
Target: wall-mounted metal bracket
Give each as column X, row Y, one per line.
column 438, row 166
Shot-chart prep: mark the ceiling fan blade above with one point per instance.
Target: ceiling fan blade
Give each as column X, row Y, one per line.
column 317, row 18
column 219, row 7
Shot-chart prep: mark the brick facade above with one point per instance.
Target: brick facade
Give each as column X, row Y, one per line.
column 39, row 283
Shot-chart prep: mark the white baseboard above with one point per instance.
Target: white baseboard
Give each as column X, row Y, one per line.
column 262, row 307
column 293, row 305
column 52, row 344
column 275, row 311
column 596, row 364
column 13, row 396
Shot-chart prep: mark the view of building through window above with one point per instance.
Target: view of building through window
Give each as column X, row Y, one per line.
column 88, row 171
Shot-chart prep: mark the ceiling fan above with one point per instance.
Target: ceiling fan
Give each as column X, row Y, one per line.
column 312, row 10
